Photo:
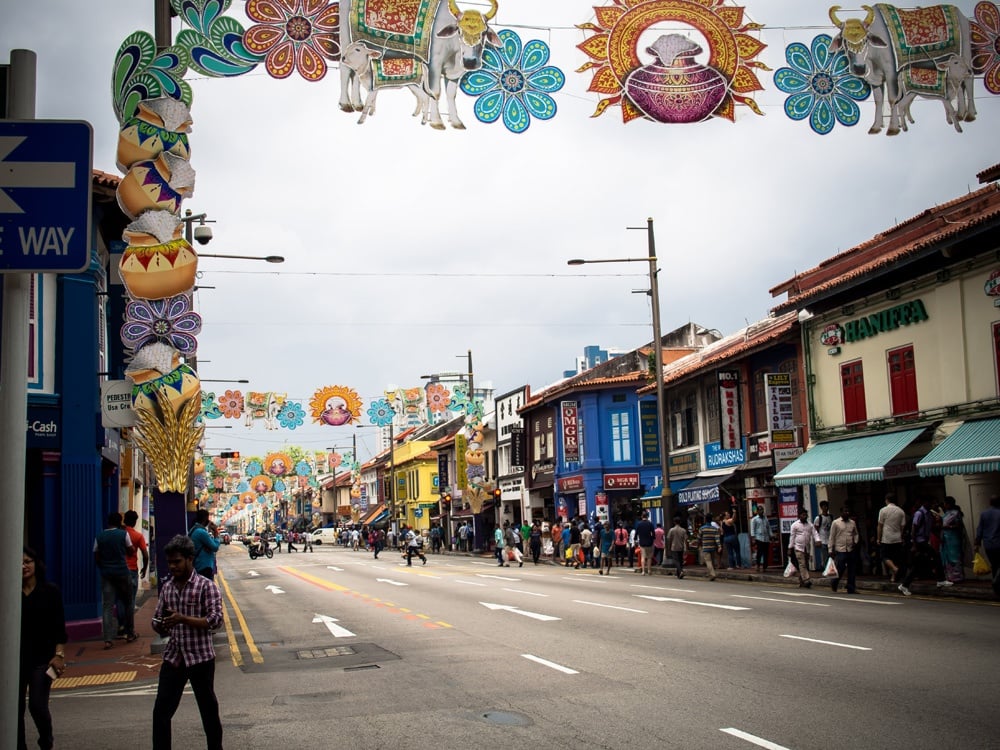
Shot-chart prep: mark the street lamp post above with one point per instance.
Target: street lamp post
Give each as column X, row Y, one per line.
column 662, row 412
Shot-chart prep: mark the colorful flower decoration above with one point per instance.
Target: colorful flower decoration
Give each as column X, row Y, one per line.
column 231, row 403
column 985, row 33
column 261, row 484
column 279, row 485
column 303, row 469
column 438, row 398
column 821, row 86
column 295, row 35
column 209, row 409
column 254, row 468
column 277, row 464
column 515, row 82
column 292, row 415
column 335, row 460
column 168, row 320
column 381, row 413
column 335, row 405
column 459, row 397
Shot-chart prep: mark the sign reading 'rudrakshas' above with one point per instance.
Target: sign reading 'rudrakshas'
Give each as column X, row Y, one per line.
column 716, row 458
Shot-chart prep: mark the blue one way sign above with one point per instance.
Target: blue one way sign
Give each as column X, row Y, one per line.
column 45, row 194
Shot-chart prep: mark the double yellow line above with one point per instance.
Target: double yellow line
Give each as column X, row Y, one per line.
column 234, row 649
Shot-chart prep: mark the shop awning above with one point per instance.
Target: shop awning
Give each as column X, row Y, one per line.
column 973, row 448
column 676, row 485
column 860, row 459
column 376, row 515
column 704, row 489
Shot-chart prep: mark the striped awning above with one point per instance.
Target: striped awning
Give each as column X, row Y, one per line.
column 375, row 515
column 860, row 459
column 973, row 448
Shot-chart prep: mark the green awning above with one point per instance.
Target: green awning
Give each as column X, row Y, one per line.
column 860, row 459
column 974, row 448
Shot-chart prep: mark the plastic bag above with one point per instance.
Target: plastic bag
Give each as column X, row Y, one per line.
column 790, row 569
column 980, row 565
column 830, row 571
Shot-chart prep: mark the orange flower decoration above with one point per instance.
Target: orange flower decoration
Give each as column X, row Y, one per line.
column 295, row 35
column 438, row 397
column 231, row 403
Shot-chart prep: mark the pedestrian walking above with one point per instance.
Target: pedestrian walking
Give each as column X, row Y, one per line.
column 586, row 546
column 621, row 544
column 110, row 554
column 822, row 522
column 535, row 541
column 710, row 541
column 800, row 535
column 988, row 537
column 922, row 553
column 731, row 540
column 498, row 546
column 891, row 523
column 139, row 547
column 205, row 536
column 607, row 545
column 676, row 543
column 953, row 546
column 414, row 542
column 307, row 541
column 761, row 534
column 574, row 546
column 645, row 535
column 43, row 648
column 189, row 610
column 843, row 546
column 659, row 545
column 511, row 552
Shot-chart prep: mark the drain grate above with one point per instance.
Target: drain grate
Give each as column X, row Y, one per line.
column 323, row 653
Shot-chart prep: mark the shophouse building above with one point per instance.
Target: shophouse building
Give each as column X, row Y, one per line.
column 510, row 456
column 901, row 349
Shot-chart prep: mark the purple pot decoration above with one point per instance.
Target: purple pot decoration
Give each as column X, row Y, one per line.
column 675, row 88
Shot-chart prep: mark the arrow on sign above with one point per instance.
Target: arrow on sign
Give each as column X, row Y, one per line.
column 27, row 174
column 253, row 573
column 330, row 622
column 391, row 582
column 274, row 589
column 516, row 611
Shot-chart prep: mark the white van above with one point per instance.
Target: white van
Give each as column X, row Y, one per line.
column 327, row 536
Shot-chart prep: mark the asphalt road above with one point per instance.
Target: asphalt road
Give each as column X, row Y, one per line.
column 342, row 650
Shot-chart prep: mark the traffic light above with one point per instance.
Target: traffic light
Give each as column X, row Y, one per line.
column 446, row 500
column 229, row 454
column 496, row 494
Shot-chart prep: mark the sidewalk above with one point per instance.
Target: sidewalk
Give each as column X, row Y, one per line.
column 88, row 664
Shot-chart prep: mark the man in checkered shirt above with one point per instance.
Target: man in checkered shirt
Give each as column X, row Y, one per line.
column 189, row 611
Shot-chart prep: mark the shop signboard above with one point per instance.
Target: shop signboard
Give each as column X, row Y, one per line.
column 648, row 424
column 784, row 456
column 788, row 508
column 571, row 484
column 628, row 481
column 684, row 463
column 442, row 475
column 601, row 506
column 717, row 458
column 729, row 409
column 43, row 427
column 778, row 395
column 570, row 432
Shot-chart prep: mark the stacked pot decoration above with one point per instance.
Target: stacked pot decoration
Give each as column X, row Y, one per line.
column 158, row 269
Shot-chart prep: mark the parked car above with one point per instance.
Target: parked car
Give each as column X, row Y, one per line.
column 329, row 536
column 224, row 537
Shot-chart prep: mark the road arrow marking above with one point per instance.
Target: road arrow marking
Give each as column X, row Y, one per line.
column 334, row 567
column 330, row 622
column 274, row 589
column 685, row 601
column 753, row 739
column 28, row 174
column 253, row 573
column 391, row 582
column 516, row 611
column 611, row 606
column 499, row 578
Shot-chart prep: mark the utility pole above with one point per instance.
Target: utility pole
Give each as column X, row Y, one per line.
column 666, row 494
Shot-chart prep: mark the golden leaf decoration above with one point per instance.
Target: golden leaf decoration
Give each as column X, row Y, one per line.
column 170, row 440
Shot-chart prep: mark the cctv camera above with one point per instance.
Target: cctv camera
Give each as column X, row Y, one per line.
column 202, row 234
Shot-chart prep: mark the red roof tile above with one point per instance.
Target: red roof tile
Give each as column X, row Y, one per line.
column 990, row 174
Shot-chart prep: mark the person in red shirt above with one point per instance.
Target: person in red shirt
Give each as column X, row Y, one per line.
column 135, row 573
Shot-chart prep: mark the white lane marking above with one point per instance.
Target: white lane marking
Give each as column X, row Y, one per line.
column 753, row 740
column 825, row 643
column 529, row 593
column 334, row 567
column 391, row 582
column 274, row 589
column 838, row 598
column 330, row 622
column 611, row 606
column 113, row 692
column 685, row 601
column 551, row 664
column 470, row 583
column 499, row 578
column 253, row 573
column 516, row 611
column 426, row 575
column 664, row 588
column 587, row 578
column 780, row 601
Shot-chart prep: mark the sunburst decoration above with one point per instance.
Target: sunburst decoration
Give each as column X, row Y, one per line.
column 335, row 405
column 614, row 55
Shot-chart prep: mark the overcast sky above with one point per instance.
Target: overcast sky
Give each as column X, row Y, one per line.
column 407, row 246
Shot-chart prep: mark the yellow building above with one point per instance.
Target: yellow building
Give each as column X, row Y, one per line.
column 416, row 483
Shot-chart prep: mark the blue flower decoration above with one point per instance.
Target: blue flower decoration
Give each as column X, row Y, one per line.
column 514, row 82
column 381, row 413
column 303, row 469
column 821, row 85
column 254, row 468
column 279, row 485
column 244, row 486
column 292, row 415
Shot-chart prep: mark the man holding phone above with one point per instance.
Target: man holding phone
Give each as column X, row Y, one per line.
column 189, row 611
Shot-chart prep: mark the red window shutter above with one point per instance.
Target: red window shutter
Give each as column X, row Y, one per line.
column 852, row 379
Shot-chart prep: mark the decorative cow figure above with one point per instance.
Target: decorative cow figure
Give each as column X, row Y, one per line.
column 903, row 54
column 362, row 61
column 453, row 47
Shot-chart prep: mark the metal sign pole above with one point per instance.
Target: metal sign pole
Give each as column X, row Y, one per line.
column 13, row 418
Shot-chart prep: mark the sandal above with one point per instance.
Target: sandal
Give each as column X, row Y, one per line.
column 107, row 645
